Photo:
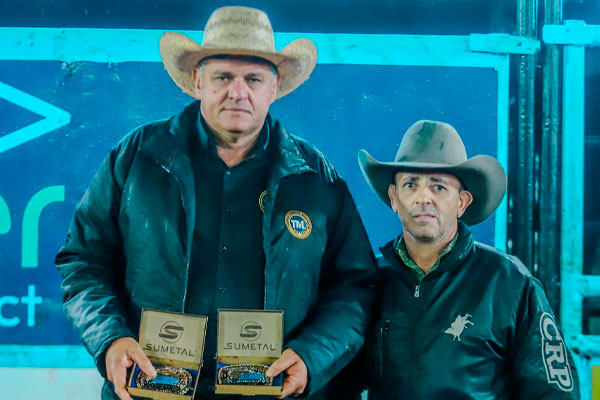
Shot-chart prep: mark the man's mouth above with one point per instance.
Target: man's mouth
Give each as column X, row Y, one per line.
column 424, row 217
column 237, row 110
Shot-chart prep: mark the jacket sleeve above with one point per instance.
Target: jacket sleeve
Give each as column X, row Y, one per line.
column 542, row 365
column 91, row 261
column 334, row 331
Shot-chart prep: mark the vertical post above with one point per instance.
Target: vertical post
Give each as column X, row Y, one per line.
column 571, row 246
column 548, row 246
column 521, row 183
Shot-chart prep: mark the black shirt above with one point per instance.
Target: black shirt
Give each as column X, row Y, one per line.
column 227, row 262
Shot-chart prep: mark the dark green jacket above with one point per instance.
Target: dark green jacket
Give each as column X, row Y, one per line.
column 129, row 243
column 478, row 327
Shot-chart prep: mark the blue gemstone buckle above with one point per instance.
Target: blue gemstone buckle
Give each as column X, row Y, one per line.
column 168, row 380
column 244, row 374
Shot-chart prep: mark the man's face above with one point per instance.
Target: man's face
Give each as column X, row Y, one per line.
column 428, row 204
column 235, row 94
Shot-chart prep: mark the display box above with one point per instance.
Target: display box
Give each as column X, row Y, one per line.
column 174, row 343
column 248, row 342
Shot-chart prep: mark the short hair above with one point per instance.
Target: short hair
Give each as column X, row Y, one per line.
column 240, row 57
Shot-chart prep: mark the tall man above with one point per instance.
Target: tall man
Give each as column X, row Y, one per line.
column 458, row 319
column 219, row 207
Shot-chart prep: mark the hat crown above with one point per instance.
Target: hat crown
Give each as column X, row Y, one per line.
column 431, row 142
column 239, row 28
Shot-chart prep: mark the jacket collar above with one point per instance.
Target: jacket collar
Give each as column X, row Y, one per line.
column 289, row 158
column 463, row 247
column 206, row 142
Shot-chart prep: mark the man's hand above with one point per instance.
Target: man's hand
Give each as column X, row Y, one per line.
column 121, row 354
column 297, row 374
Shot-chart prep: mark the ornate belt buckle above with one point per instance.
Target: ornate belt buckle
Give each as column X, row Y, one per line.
column 168, row 380
column 244, row 374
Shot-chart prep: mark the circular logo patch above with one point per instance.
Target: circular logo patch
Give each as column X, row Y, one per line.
column 298, row 224
column 261, row 201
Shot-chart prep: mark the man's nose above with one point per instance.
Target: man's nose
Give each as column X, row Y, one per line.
column 238, row 88
column 424, row 195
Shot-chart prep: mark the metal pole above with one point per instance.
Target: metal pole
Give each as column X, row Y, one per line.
column 572, row 193
column 548, row 246
column 521, row 180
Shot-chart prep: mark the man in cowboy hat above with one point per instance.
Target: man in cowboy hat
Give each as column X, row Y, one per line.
column 458, row 319
column 219, row 207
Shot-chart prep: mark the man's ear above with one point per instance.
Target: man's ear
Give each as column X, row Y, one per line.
column 465, row 198
column 392, row 196
column 197, row 81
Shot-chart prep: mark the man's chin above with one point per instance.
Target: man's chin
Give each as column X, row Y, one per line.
column 425, row 239
column 425, row 235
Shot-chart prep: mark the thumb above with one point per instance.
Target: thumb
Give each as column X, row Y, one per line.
column 287, row 359
column 138, row 356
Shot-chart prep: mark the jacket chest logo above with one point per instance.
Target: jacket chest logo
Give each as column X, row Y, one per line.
column 261, row 201
column 458, row 326
column 298, row 224
column 554, row 354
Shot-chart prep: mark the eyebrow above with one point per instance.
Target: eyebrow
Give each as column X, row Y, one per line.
column 435, row 179
column 414, row 178
column 228, row 73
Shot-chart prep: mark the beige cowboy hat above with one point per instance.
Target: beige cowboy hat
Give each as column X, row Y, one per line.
column 237, row 31
column 436, row 146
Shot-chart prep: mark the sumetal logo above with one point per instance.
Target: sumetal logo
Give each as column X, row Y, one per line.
column 250, row 331
column 171, row 332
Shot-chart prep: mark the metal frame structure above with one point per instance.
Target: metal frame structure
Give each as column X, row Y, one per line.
column 575, row 36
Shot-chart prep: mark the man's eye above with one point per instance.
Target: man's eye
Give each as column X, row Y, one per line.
column 254, row 80
column 439, row 187
column 409, row 185
column 222, row 78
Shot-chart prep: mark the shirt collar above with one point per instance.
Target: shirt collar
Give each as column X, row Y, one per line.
column 207, row 141
column 402, row 252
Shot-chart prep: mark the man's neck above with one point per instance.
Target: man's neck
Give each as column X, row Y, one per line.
column 426, row 254
column 233, row 148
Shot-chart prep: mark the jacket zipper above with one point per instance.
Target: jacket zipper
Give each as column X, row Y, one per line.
column 385, row 327
column 187, row 250
column 412, row 384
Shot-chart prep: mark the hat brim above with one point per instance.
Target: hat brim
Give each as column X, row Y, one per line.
column 180, row 55
column 482, row 175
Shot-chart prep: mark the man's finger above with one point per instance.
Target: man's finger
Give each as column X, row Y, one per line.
column 287, row 359
column 290, row 386
column 123, row 394
column 120, row 376
column 138, row 356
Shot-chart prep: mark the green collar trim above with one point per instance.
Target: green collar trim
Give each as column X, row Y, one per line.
column 403, row 254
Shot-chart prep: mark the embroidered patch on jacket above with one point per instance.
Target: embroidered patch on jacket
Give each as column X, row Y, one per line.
column 298, row 224
column 261, row 201
column 458, row 326
column 554, row 354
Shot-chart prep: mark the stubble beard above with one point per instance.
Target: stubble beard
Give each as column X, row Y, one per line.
column 428, row 238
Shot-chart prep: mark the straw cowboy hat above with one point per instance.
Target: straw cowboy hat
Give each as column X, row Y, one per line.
column 237, row 31
column 436, row 146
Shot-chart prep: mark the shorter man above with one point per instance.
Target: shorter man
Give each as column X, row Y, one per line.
column 458, row 319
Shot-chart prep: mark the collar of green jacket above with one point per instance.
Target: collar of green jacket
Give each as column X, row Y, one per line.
column 172, row 152
column 402, row 251
column 462, row 248
column 289, row 158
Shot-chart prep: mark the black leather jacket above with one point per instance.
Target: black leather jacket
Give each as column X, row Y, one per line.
column 477, row 327
column 129, row 242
